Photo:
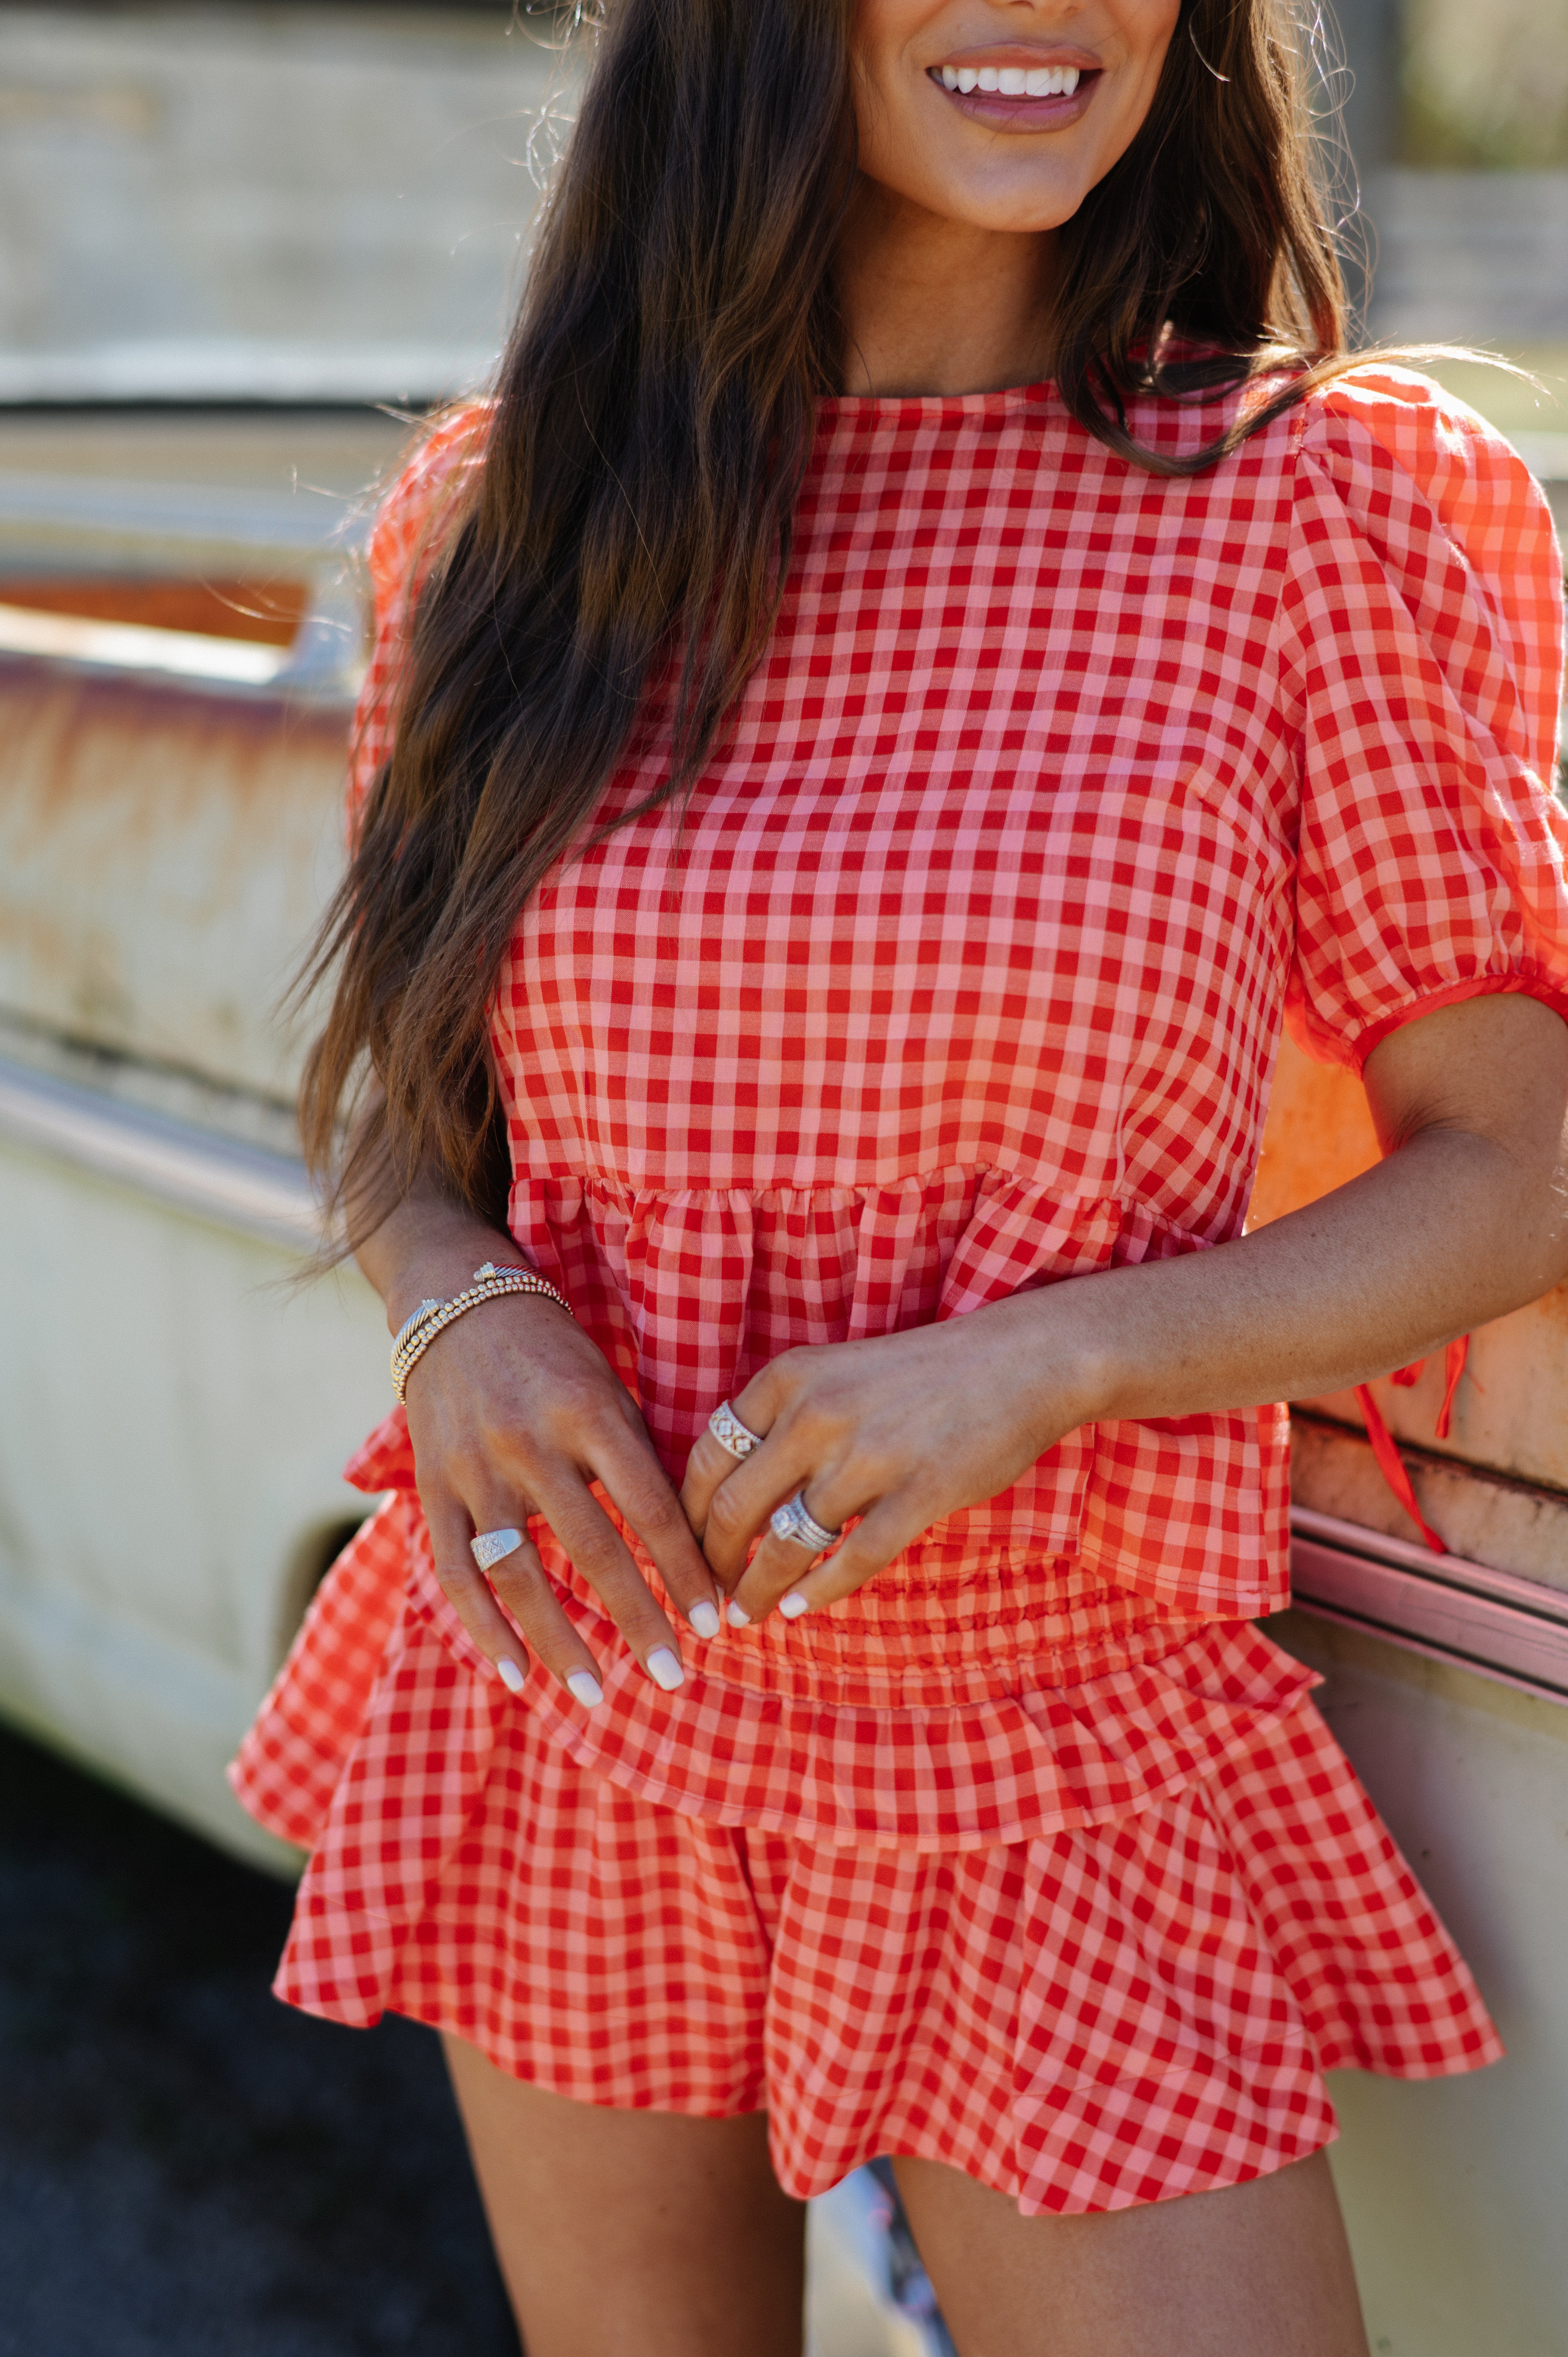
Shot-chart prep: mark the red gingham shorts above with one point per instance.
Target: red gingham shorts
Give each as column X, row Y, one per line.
column 1099, row 2016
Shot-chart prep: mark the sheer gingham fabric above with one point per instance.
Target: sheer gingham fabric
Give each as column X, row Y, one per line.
column 1095, row 2016
column 1057, row 785
column 962, row 969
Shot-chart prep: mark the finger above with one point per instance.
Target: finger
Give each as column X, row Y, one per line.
column 709, row 1464
column 524, row 1590
column 597, row 1550
column 779, row 1564
column 466, row 1589
column 625, row 1461
column 713, row 1460
column 712, row 1469
column 888, row 1527
column 739, row 1506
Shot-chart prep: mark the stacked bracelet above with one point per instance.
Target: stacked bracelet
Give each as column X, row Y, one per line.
column 416, row 1335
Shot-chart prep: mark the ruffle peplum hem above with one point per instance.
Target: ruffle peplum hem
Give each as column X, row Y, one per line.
column 1113, row 1933
column 946, row 1777
column 961, row 1723
column 691, row 1290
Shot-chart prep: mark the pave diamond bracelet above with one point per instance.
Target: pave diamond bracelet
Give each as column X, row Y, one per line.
column 416, row 1335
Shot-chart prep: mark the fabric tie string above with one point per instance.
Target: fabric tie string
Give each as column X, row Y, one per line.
column 1390, row 1464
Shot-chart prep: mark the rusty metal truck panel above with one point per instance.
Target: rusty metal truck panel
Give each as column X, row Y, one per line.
column 165, row 848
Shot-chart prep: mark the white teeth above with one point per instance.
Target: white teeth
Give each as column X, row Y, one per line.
column 1014, row 82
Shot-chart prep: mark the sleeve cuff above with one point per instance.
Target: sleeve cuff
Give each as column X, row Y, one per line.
column 1550, row 993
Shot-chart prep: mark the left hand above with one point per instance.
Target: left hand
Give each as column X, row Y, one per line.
column 901, row 1430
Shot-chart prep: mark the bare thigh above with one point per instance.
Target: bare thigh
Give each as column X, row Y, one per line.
column 632, row 2234
column 1260, row 2270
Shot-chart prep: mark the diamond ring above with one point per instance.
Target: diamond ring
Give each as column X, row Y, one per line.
column 793, row 1522
column 730, row 1433
column 491, row 1547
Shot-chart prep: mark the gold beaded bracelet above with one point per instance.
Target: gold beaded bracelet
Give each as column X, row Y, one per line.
column 416, row 1335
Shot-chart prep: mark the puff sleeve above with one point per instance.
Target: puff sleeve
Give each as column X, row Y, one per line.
column 1421, row 654
column 402, row 545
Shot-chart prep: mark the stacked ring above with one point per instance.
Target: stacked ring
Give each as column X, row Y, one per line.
column 730, row 1433
column 491, row 1547
column 794, row 1521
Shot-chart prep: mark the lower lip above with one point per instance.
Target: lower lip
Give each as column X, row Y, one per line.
column 1005, row 112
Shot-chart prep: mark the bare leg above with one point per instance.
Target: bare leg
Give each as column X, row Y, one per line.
column 1260, row 2270
column 632, row 2234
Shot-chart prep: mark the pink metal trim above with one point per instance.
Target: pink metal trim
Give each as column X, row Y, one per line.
column 1511, row 1630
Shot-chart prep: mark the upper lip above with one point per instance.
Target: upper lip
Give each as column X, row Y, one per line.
column 1011, row 53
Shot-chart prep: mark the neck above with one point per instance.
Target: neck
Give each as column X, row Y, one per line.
column 937, row 306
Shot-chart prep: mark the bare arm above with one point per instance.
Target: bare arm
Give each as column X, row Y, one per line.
column 1465, row 1219
column 513, row 1410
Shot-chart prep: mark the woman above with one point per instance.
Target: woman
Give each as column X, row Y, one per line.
column 929, row 655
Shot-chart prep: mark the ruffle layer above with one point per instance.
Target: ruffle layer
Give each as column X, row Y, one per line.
column 1099, row 2016
column 690, row 1291
column 1004, row 1769
column 937, row 1630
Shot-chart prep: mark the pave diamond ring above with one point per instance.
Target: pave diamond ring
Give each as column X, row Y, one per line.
column 730, row 1433
column 793, row 1522
column 491, row 1547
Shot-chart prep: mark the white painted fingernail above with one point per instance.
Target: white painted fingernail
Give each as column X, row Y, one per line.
column 705, row 1617
column 736, row 1618
column 794, row 1604
column 664, row 1669
column 510, row 1676
column 586, row 1689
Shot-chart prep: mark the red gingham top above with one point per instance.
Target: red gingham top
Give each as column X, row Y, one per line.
column 1059, row 785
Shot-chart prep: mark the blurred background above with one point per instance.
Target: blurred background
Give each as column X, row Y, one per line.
column 241, row 248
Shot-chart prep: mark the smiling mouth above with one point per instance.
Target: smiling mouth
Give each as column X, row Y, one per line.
column 1020, row 97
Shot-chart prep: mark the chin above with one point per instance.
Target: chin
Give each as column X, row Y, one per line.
column 1030, row 210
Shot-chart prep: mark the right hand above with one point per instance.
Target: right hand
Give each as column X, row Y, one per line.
column 512, row 1411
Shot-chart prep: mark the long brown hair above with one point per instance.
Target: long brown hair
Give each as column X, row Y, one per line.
column 631, row 517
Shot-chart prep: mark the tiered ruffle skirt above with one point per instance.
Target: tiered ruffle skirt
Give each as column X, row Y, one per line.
column 1093, row 1943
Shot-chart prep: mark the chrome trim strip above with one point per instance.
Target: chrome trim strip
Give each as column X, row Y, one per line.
column 1511, row 1630
column 235, row 1186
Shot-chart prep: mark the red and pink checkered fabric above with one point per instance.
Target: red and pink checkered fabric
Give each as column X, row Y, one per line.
column 1133, row 2001
column 964, row 968
column 963, row 971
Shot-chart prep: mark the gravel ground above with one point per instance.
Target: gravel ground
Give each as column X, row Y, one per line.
column 187, row 2167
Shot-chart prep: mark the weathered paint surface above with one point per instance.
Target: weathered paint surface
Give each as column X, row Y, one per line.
column 171, row 1439
column 173, row 1417
column 1486, row 1517
column 163, row 855
column 1511, row 1411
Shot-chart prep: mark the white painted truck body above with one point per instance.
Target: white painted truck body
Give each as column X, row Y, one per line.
column 174, row 1411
